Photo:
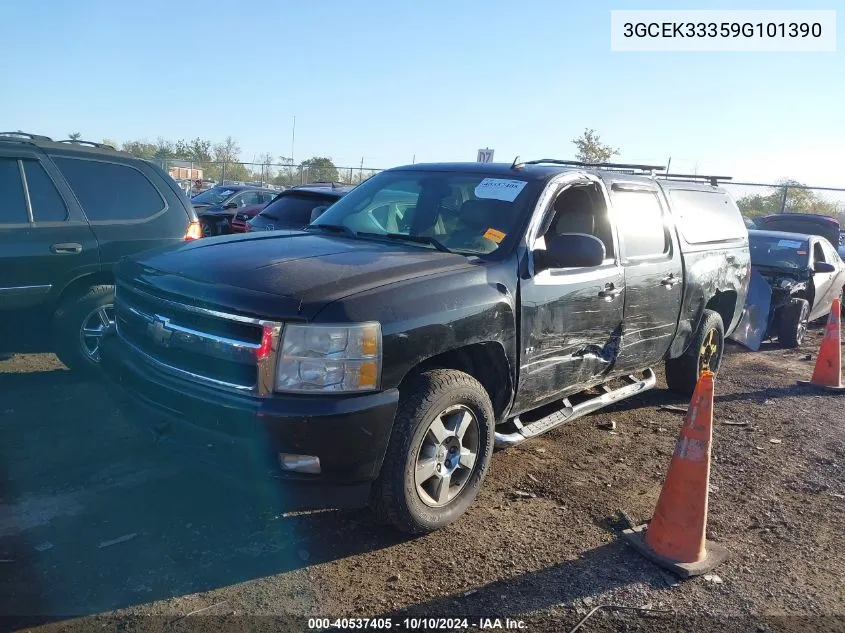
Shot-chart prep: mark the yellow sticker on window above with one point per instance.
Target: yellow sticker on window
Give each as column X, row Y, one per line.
column 493, row 234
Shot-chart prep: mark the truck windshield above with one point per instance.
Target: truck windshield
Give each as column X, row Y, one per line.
column 464, row 212
column 779, row 252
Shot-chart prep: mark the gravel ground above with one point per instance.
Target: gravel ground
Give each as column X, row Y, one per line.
column 101, row 528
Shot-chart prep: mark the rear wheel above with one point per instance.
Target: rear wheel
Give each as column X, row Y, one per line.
column 208, row 228
column 78, row 326
column 793, row 323
column 439, row 452
column 704, row 353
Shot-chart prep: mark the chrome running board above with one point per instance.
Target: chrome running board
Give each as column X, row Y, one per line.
column 570, row 412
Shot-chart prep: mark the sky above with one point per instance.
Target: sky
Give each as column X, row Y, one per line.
column 391, row 82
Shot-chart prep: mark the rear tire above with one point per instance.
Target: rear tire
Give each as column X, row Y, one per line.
column 79, row 349
column 793, row 322
column 704, row 352
column 208, row 228
column 405, row 495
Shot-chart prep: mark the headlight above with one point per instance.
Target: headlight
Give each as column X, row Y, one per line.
column 330, row 358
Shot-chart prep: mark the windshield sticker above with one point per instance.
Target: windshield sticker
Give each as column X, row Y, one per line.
column 801, row 252
column 496, row 236
column 789, row 244
column 499, row 189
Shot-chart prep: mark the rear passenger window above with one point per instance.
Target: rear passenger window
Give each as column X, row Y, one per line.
column 707, row 216
column 12, row 199
column 108, row 191
column 47, row 204
column 639, row 217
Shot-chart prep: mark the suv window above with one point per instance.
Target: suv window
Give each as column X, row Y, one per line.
column 12, row 198
column 249, row 198
column 707, row 216
column 295, row 209
column 47, row 203
column 108, row 191
column 639, row 216
column 267, row 196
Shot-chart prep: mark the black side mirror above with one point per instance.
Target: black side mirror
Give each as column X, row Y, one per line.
column 570, row 250
column 824, row 267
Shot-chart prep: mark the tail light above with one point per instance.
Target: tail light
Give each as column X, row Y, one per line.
column 194, row 231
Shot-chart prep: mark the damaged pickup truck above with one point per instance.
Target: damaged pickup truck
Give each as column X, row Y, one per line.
column 378, row 354
column 795, row 278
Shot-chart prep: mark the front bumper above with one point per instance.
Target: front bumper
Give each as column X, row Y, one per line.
column 348, row 433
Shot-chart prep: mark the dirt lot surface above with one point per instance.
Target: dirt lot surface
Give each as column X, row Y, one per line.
column 102, row 529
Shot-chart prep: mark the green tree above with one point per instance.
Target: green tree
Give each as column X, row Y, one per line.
column 141, row 149
column 798, row 200
column 591, row 149
column 319, row 168
column 74, row 136
column 111, row 141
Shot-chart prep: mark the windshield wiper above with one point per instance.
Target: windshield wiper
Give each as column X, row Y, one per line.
column 419, row 239
column 334, row 228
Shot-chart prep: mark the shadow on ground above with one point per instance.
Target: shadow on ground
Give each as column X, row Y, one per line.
column 95, row 516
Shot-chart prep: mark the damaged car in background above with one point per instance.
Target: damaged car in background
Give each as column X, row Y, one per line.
column 794, row 280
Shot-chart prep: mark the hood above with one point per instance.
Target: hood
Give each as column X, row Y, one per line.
column 789, row 279
column 280, row 275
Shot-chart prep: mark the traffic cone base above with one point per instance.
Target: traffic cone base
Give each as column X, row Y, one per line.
column 827, row 373
column 714, row 555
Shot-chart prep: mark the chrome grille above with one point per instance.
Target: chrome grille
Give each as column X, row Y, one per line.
column 207, row 346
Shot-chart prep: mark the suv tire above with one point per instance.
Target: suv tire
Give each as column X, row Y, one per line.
column 793, row 322
column 90, row 308
column 705, row 351
column 442, row 415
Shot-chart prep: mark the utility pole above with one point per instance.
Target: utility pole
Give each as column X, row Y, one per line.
column 292, row 140
column 361, row 173
column 414, row 160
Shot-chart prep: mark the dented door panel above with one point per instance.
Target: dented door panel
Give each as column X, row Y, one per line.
column 569, row 332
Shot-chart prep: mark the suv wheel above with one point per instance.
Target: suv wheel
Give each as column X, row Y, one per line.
column 438, row 454
column 704, row 353
column 793, row 323
column 79, row 323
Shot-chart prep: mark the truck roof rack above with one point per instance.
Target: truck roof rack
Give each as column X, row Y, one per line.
column 713, row 180
column 25, row 136
column 88, row 143
column 576, row 163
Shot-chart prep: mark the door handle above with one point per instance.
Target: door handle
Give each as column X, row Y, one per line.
column 610, row 292
column 66, row 248
column 670, row 281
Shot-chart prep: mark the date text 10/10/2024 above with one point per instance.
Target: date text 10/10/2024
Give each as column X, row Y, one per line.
column 416, row 624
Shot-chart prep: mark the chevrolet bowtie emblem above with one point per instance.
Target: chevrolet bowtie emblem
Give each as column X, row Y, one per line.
column 159, row 330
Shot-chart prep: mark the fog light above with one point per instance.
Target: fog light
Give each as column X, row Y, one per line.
column 300, row 463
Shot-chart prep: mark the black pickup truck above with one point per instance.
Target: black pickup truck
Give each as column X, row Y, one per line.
column 434, row 311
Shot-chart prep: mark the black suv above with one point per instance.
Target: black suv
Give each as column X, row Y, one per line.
column 297, row 206
column 69, row 210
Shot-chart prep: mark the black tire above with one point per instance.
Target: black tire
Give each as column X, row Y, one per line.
column 395, row 497
column 793, row 322
column 209, row 229
column 682, row 373
column 69, row 344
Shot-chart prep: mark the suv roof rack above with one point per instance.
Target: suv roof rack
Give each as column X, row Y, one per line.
column 88, row 143
column 25, row 136
column 714, row 180
column 577, row 163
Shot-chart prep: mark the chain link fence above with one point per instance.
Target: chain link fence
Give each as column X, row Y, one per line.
column 759, row 199
column 262, row 174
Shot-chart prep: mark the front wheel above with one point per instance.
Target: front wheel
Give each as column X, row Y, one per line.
column 793, row 323
column 439, row 452
column 208, row 228
column 704, row 353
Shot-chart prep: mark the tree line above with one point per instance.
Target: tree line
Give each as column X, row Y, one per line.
column 222, row 160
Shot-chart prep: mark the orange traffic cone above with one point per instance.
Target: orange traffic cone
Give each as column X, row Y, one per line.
column 828, row 371
column 676, row 536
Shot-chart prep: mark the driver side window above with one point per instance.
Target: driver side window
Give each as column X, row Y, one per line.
column 581, row 209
